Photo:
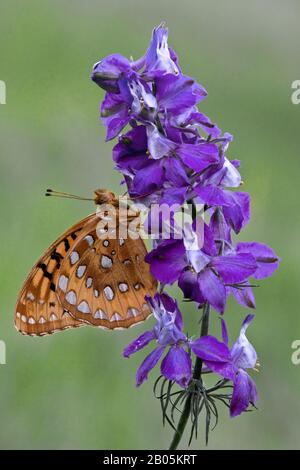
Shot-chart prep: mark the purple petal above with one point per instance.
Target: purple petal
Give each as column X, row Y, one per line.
column 130, row 152
column 112, row 104
column 209, row 348
column 148, row 364
column 237, row 213
column 171, row 196
column 114, row 114
column 138, row 93
column 244, row 296
column 236, row 205
column 204, row 122
column 188, row 283
column 167, row 261
column 177, row 366
column 236, row 163
column 244, row 393
column 231, row 177
column 168, row 327
column 212, row 195
column 169, row 304
column 225, row 174
column 193, row 242
column 224, row 369
column 148, row 179
column 115, row 125
column 266, row 259
column 107, row 71
column 219, row 227
column 246, row 323
column 158, row 58
column 242, row 352
column 138, row 343
column 178, row 93
column 192, row 238
column 135, row 139
column 198, row 156
column 158, row 145
column 235, row 267
column 209, row 245
column 215, row 355
column 198, row 259
column 212, row 289
column 138, row 64
column 174, row 57
column 175, row 172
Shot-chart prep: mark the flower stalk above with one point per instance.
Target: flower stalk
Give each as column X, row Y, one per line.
column 196, row 376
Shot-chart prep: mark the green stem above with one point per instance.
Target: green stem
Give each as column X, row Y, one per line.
column 196, row 376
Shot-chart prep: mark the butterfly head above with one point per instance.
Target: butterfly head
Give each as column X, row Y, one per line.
column 103, row 196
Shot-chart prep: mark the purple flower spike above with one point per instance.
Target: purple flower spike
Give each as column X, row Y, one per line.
column 170, row 153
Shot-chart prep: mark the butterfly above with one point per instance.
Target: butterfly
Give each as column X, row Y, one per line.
column 87, row 276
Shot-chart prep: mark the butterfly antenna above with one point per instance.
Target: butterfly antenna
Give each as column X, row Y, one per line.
column 52, row 192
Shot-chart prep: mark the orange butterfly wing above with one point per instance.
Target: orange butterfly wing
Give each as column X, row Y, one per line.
column 103, row 282
column 82, row 279
column 38, row 310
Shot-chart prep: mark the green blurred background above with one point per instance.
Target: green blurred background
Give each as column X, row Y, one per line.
column 74, row 389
